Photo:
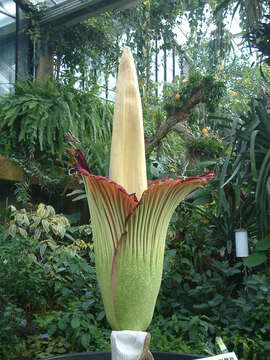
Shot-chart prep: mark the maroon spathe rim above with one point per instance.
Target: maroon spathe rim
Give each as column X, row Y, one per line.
column 82, row 167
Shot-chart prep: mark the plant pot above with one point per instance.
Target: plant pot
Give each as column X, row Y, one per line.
column 107, row 356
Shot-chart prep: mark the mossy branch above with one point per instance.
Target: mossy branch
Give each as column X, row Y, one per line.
column 198, row 95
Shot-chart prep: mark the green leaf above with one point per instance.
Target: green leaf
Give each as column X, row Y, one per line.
column 37, row 233
column 62, row 325
column 101, row 316
column 45, row 225
column 202, row 200
column 255, row 259
column 52, row 329
column 268, row 185
column 263, row 245
column 237, row 167
column 12, row 230
column 85, row 339
column 225, row 167
column 23, row 232
column 75, row 323
column 75, row 192
column 42, row 249
column 80, row 197
column 252, row 155
column 216, row 300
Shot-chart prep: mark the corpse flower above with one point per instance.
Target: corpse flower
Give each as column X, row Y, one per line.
column 129, row 220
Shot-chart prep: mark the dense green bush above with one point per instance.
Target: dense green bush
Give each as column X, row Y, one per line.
column 42, row 224
column 41, row 123
column 12, row 321
column 41, row 114
column 248, row 160
column 182, row 90
column 50, row 303
column 42, row 280
column 205, row 148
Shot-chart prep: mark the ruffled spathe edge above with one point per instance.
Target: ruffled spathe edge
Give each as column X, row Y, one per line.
column 82, row 167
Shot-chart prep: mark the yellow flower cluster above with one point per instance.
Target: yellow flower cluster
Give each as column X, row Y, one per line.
column 205, row 131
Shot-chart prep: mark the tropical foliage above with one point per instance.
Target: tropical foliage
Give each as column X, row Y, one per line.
column 248, row 163
column 39, row 122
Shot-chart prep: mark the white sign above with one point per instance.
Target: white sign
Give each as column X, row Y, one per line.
column 228, row 356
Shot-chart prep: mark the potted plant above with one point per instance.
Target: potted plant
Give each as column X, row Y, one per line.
column 130, row 221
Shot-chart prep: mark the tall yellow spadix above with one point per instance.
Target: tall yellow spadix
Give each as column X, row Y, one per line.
column 127, row 162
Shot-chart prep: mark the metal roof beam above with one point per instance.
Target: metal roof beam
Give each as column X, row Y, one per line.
column 73, row 11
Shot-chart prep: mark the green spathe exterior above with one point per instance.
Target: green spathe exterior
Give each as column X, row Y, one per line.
column 129, row 242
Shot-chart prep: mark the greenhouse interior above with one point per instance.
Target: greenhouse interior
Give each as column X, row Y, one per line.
column 134, row 179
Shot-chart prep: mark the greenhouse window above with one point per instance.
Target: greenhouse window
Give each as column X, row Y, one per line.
column 16, row 57
column 14, row 45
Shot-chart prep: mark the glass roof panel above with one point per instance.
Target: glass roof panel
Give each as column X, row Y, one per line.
column 8, row 7
column 5, row 20
column 7, row 12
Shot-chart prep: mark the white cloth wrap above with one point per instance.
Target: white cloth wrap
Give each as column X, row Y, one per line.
column 127, row 344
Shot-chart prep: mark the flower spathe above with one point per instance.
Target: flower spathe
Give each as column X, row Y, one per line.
column 129, row 242
column 129, row 221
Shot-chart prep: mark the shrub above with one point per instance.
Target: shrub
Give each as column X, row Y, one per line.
column 42, row 224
